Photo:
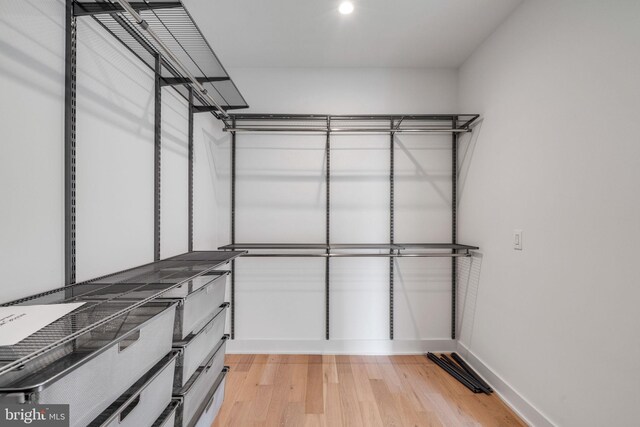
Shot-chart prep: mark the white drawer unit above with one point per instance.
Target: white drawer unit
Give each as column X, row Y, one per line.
column 196, row 347
column 195, row 391
column 91, row 371
column 211, row 406
column 198, row 301
column 145, row 401
column 168, row 416
column 198, row 297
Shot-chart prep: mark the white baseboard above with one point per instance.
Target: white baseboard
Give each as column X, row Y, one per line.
column 529, row 413
column 359, row 347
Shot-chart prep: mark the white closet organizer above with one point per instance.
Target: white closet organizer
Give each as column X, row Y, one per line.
column 116, row 360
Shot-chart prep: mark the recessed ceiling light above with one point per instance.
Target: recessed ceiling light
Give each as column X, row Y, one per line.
column 346, row 7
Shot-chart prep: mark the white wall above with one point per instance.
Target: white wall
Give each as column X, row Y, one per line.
column 558, row 156
column 174, row 186
column 280, row 197
column 31, row 147
column 211, row 183
column 114, row 154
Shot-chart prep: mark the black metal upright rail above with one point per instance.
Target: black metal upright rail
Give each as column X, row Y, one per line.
column 233, row 231
column 391, row 227
column 454, row 226
column 190, row 147
column 157, row 156
column 70, row 145
column 327, row 265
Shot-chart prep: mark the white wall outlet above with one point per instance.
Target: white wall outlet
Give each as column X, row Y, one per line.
column 517, row 240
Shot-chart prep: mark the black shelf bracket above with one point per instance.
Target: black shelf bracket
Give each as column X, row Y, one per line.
column 175, row 81
column 210, row 108
column 93, row 8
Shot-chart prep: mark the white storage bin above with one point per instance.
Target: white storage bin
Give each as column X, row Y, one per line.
column 92, row 371
column 168, row 417
column 213, row 403
column 198, row 300
column 194, row 393
column 145, row 401
column 194, row 350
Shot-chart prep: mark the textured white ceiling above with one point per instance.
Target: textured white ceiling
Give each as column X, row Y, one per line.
column 379, row 33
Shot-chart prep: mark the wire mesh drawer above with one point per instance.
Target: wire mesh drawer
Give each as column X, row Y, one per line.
column 198, row 306
column 195, row 349
column 213, row 403
column 168, row 416
column 92, row 371
column 144, row 401
column 194, row 393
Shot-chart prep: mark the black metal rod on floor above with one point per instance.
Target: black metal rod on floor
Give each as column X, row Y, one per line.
column 464, row 373
column 470, row 371
column 453, row 373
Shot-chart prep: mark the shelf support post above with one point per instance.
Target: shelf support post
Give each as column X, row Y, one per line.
column 233, row 230
column 454, row 224
column 190, row 144
column 391, row 225
column 157, row 150
column 327, row 271
column 70, row 146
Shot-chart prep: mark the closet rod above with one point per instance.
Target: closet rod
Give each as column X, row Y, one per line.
column 345, row 130
column 145, row 26
column 414, row 255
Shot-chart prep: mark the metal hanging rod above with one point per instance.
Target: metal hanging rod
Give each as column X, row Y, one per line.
column 343, row 130
column 333, row 255
column 145, row 26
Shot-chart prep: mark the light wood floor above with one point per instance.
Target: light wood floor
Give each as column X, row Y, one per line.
column 333, row 391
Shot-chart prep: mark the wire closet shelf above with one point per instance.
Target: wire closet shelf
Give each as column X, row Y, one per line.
column 165, row 29
column 106, row 300
column 345, row 250
column 351, row 124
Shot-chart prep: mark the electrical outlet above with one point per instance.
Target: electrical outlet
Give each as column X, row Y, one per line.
column 517, row 240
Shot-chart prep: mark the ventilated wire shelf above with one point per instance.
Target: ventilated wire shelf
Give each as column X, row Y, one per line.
column 171, row 21
column 373, row 124
column 339, row 250
column 112, row 303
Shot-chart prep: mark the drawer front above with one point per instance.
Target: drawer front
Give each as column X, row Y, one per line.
column 168, row 416
column 148, row 403
column 205, row 376
column 213, row 405
column 199, row 306
column 94, row 385
column 196, row 350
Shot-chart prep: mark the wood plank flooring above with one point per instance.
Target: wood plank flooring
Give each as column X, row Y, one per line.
column 335, row 391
